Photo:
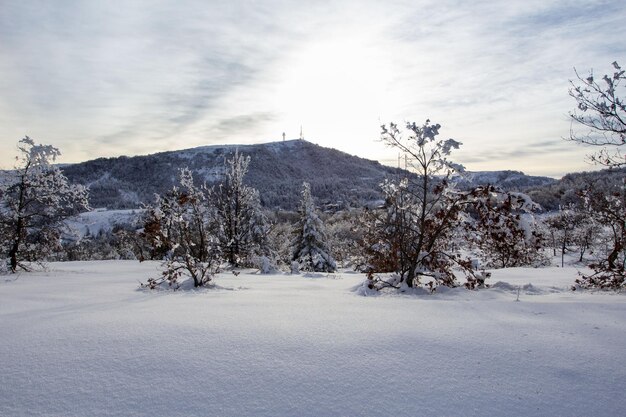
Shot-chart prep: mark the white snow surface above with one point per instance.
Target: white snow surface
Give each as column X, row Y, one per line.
column 101, row 221
column 80, row 339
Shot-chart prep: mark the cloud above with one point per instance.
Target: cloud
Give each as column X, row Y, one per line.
column 108, row 78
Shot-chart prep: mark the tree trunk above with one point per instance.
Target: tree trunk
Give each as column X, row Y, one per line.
column 410, row 278
column 583, row 249
column 614, row 253
column 16, row 244
column 13, row 256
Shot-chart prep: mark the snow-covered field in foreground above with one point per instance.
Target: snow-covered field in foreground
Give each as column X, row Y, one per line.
column 80, row 340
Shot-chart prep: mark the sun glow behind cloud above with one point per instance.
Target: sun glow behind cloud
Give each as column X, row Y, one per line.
column 104, row 79
column 336, row 89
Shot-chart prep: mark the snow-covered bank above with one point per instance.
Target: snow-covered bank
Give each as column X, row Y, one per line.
column 81, row 340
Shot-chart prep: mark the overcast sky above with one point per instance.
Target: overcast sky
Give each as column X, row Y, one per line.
column 108, row 78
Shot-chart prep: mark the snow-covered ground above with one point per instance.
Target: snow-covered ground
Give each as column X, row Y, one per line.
column 101, row 221
column 81, row 340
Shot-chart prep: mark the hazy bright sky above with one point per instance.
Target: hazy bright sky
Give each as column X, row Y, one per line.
column 108, row 78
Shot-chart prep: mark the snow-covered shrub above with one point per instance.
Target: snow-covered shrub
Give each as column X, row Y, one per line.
column 310, row 245
column 265, row 265
column 506, row 231
column 184, row 222
column 279, row 243
column 34, row 201
column 411, row 233
column 344, row 234
column 4, row 266
column 605, row 276
column 416, row 232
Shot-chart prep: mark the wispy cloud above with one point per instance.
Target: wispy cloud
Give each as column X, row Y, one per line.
column 108, row 78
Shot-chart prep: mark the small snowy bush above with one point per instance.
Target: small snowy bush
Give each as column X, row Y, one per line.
column 4, row 266
column 184, row 222
column 265, row 265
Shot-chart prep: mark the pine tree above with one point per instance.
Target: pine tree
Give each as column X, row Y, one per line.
column 311, row 250
column 245, row 228
column 34, row 201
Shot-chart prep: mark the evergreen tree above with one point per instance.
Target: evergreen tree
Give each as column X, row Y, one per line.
column 245, row 228
column 311, row 250
column 34, row 201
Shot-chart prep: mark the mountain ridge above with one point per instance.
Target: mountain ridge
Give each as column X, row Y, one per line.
column 277, row 170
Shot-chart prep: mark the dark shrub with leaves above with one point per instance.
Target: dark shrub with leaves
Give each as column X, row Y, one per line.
column 413, row 233
column 185, row 224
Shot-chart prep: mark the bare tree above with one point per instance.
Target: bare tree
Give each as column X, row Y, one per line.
column 603, row 112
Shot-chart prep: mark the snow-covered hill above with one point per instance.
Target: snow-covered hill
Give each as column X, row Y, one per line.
column 80, row 340
column 277, row 170
column 508, row 180
column 100, row 221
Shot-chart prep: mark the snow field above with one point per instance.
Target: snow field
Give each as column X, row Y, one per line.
column 80, row 340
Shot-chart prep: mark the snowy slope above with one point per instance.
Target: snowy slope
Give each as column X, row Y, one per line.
column 508, row 180
column 81, row 340
column 101, row 221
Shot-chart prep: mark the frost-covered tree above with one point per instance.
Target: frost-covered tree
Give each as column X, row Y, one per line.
column 505, row 230
column 279, row 243
column 563, row 226
column 310, row 246
column 344, row 234
column 410, row 234
column 586, row 235
column 608, row 209
column 184, row 222
column 413, row 233
column 35, row 198
column 601, row 108
column 245, row 227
